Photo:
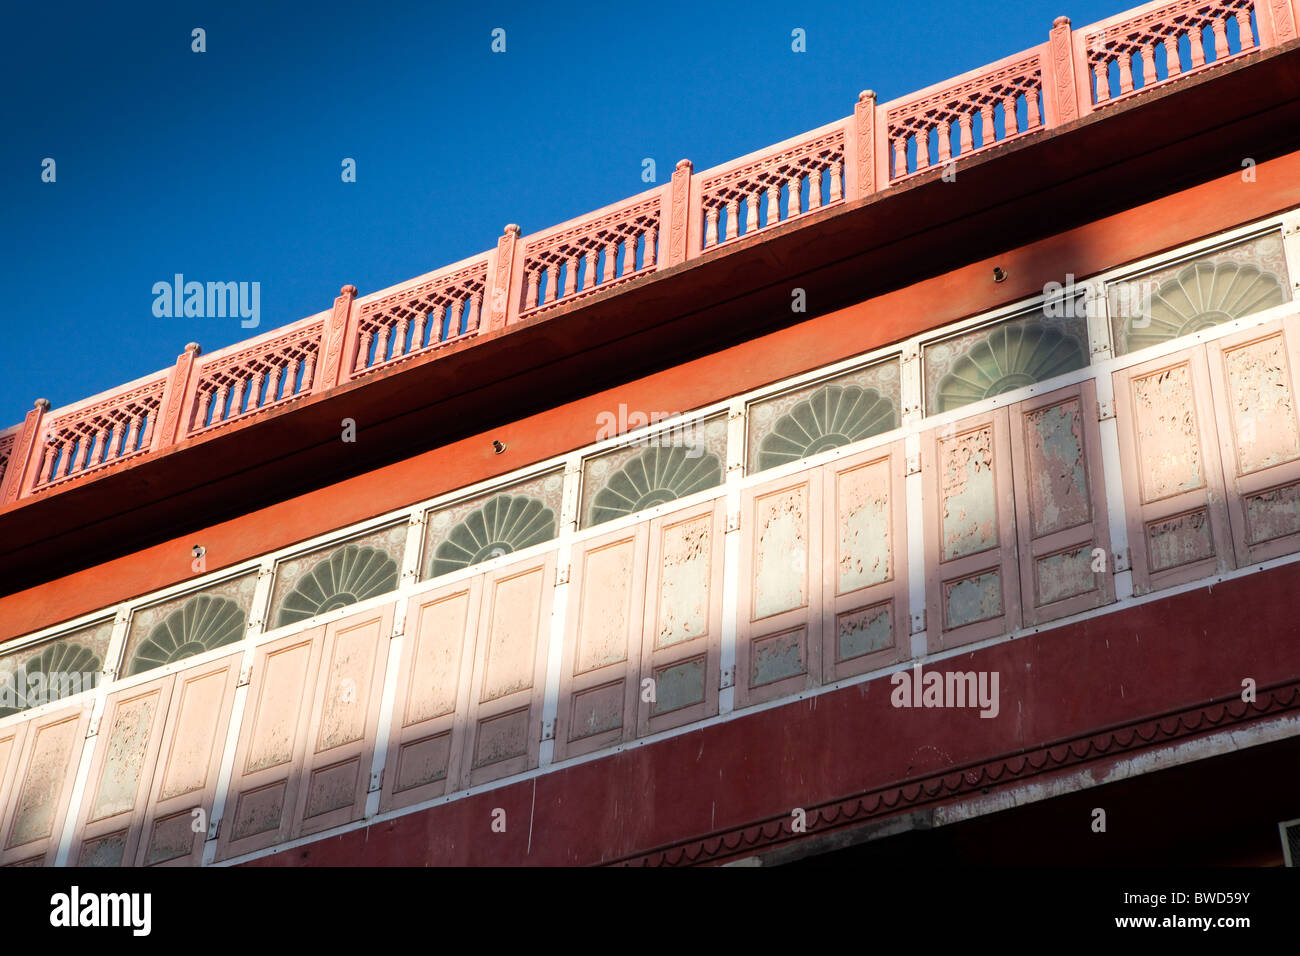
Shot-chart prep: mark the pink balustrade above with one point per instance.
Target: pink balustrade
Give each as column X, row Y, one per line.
column 786, row 181
column 268, row 373
column 991, row 105
column 1164, row 42
column 420, row 317
column 91, row 437
column 1051, row 85
column 607, row 248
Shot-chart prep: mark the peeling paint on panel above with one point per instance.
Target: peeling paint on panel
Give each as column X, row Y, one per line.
column 864, row 532
column 1263, row 408
column 258, row 811
column 1273, row 513
column 172, row 837
column 128, row 740
column 606, row 606
column 1065, row 574
column 1179, row 540
column 678, row 685
column 516, row 606
column 423, row 761
column 1169, row 442
column 436, row 670
column 502, row 737
column 278, row 708
column 597, row 710
column 864, row 631
column 39, row 797
column 191, row 748
column 777, row 657
column 684, row 581
column 332, row 788
column 973, row 599
column 344, row 716
column 781, row 552
column 105, row 851
column 970, row 515
column 1058, row 481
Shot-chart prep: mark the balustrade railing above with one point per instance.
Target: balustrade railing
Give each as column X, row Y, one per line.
column 1072, row 74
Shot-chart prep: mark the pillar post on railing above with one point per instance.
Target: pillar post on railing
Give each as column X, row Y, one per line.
column 1061, row 85
column 1276, row 20
column 860, row 146
column 505, row 291
column 26, row 456
column 678, row 226
column 176, row 397
column 337, row 342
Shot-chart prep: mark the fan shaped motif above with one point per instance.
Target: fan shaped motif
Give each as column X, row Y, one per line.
column 200, row 624
column 67, row 668
column 832, row 416
column 656, row 475
column 1199, row 297
column 506, row 523
column 351, row 574
column 1010, row 357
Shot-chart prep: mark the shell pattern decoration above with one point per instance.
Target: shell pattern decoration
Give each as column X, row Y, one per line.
column 1008, row 358
column 832, row 416
column 507, row 523
column 64, row 668
column 199, row 625
column 1201, row 296
column 656, row 475
column 350, row 574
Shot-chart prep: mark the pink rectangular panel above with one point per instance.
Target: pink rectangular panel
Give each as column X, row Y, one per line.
column 432, row 702
column 508, row 687
column 681, row 638
column 603, row 626
column 972, row 575
column 42, row 786
column 1066, row 565
column 345, row 720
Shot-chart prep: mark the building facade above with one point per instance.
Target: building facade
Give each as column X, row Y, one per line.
column 927, row 484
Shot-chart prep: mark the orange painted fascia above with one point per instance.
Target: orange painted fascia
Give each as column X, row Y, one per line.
column 1089, row 249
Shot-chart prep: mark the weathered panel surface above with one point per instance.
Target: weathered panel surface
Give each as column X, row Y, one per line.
column 1169, row 444
column 1263, row 407
column 684, row 581
column 423, row 761
column 597, row 710
column 678, row 685
column 781, row 552
column 512, row 640
column 43, row 786
column 502, row 737
column 606, row 605
column 865, row 544
column 778, row 657
column 128, row 742
column 1065, row 574
column 435, row 671
column 1273, row 514
column 1180, row 540
column 864, row 631
column 972, row 599
column 969, row 515
column 1058, row 482
column 279, row 707
column 187, row 765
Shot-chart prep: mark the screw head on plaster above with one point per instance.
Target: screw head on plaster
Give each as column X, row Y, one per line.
column 999, row 275
column 498, row 447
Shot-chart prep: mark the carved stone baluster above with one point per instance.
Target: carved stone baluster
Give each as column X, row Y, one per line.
column 711, row 227
column 438, row 314
column 1148, row 64
column 1031, row 103
column 988, row 135
column 149, row 420
column 1010, row 121
column 733, row 218
column 629, row 255
column 773, row 202
column 294, row 368
column 837, row 188
column 945, row 141
column 1125, row 60
column 83, row 447
column 923, row 149
column 1101, row 71
column 63, row 462
column 219, row 414
column 530, row 302
column 900, row 156
column 1243, row 30
column 611, row 261
column 399, row 342
column 592, row 257
column 1172, row 65
column 966, row 138
column 1195, row 39
column 255, row 400
column 793, row 187
column 381, row 348
column 43, row 474
column 651, row 237
column 309, row 373
column 205, row 402
column 417, row 337
column 237, row 403
column 1221, row 38
column 571, row 275
column 751, row 210
column 475, row 310
column 363, row 353
column 815, row 188
column 101, row 446
column 132, row 436
column 552, row 281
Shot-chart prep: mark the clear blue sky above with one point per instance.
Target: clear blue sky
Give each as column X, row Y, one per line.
column 225, row 165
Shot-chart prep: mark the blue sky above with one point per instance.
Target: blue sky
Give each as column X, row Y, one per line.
column 225, row 165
